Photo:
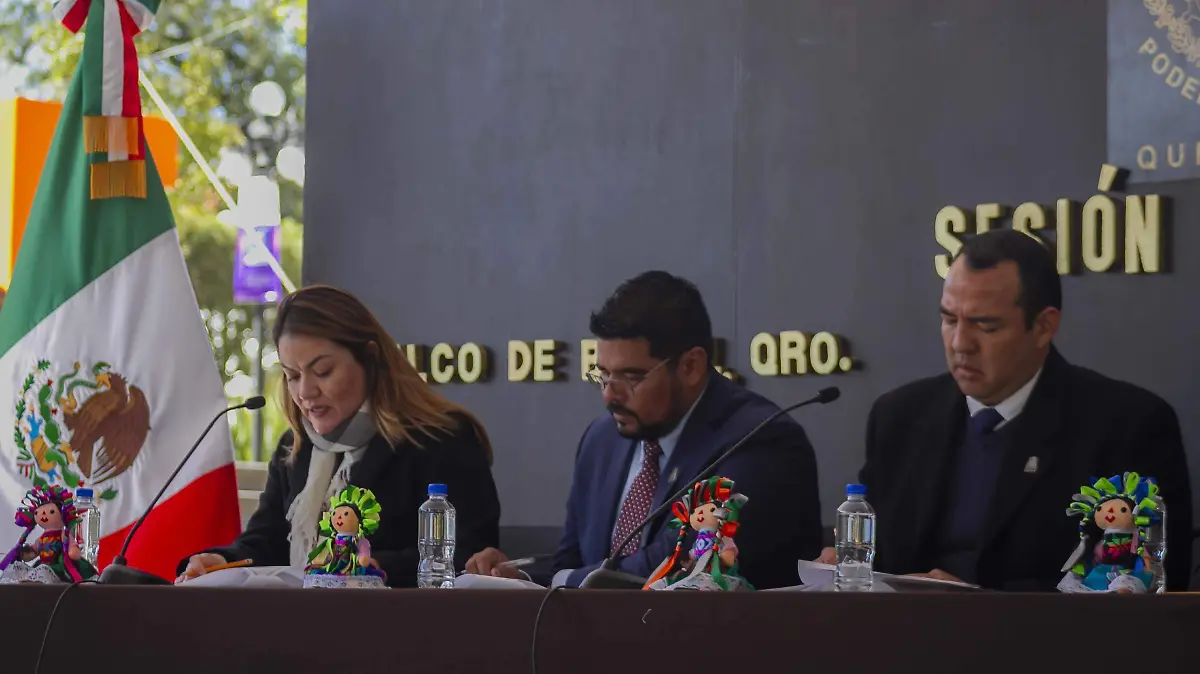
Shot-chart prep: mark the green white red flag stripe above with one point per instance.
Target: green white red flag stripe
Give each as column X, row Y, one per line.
column 106, row 373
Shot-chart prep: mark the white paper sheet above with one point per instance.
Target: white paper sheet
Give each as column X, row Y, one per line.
column 280, row 577
column 821, row 575
column 471, row 581
column 814, row 573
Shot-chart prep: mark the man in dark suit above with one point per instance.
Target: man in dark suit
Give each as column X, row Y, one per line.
column 971, row 472
column 670, row 414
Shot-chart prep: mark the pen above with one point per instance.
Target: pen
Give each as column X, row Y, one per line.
column 219, row 567
column 516, row 563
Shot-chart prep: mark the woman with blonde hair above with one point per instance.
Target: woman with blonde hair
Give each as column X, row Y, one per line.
column 361, row 415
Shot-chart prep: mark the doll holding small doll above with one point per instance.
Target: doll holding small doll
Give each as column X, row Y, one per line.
column 55, row 555
column 711, row 509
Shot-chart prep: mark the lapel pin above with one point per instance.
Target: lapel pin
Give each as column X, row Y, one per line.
column 674, row 474
column 1031, row 466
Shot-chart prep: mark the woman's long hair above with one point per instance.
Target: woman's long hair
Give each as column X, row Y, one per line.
column 404, row 406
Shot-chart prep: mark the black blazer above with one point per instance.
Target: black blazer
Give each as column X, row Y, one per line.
column 1079, row 424
column 399, row 478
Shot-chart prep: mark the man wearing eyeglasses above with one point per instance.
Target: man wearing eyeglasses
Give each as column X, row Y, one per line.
column 669, row 414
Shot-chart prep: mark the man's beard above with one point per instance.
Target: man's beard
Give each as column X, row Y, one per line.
column 654, row 431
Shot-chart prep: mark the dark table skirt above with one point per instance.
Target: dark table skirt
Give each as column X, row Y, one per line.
column 217, row 631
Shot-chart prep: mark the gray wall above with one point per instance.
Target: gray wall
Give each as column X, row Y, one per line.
column 490, row 170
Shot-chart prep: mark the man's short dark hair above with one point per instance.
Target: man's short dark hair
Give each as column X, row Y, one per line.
column 665, row 310
column 1036, row 267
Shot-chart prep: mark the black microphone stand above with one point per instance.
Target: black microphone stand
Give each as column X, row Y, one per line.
column 119, row 572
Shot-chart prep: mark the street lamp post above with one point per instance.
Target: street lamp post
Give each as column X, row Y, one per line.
column 258, row 215
column 260, row 383
column 254, row 283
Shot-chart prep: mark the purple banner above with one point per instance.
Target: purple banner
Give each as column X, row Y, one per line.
column 253, row 280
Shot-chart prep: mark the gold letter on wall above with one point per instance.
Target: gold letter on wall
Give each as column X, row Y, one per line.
column 472, row 362
column 764, row 354
column 520, row 360
column 1099, row 233
column 544, row 360
column 793, row 356
column 949, row 220
column 1029, row 217
column 414, row 354
column 1062, row 238
column 441, row 351
column 587, row 357
column 984, row 214
column 824, row 353
column 1142, row 227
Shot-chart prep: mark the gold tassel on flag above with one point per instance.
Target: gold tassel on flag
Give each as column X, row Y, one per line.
column 112, row 108
column 119, row 179
column 102, row 134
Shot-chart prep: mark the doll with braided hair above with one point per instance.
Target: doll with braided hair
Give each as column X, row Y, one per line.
column 1117, row 513
column 52, row 508
column 711, row 508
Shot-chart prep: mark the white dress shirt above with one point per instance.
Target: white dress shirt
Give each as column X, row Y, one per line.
column 1011, row 406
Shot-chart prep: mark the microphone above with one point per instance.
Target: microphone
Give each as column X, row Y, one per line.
column 118, row 572
column 607, row 576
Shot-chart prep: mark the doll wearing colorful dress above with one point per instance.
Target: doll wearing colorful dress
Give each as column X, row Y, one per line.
column 712, row 561
column 53, row 509
column 345, row 551
column 1117, row 512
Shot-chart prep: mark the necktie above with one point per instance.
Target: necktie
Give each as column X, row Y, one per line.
column 977, row 469
column 986, row 420
column 638, row 500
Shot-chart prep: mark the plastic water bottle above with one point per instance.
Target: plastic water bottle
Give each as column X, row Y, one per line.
column 1156, row 546
column 855, row 542
column 435, row 540
column 87, row 533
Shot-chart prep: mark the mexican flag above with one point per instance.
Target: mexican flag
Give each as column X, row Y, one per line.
column 106, row 373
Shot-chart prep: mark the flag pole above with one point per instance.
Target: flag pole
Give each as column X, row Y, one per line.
column 252, row 236
column 196, row 42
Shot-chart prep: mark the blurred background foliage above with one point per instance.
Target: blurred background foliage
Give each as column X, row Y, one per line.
column 204, row 57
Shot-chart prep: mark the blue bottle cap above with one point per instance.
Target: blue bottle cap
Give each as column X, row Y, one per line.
column 83, row 492
column 437, row 489
column 856, row 489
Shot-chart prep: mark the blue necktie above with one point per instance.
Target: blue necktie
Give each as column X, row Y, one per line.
column 976, row 470
column 978, row 467
column 985, row 421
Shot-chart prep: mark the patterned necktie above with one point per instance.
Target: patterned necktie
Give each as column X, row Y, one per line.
column 638, row 500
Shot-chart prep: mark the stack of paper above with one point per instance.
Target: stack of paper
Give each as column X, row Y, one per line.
column 819, row 577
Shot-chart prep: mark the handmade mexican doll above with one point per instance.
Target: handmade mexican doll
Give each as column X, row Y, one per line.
column 710, row 508
column 52, row 509
column 344, row 551
column 1117, row 513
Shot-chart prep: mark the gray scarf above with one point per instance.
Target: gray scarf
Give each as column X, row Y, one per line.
column 348, row 441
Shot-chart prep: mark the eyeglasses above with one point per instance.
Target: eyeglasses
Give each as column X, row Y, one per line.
column 622, row 385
